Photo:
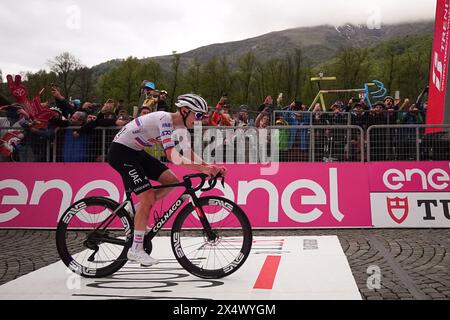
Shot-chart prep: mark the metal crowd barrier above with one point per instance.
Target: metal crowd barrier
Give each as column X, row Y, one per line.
column 306, row 143
column 408, row 143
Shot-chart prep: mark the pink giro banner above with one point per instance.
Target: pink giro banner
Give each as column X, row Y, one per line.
column 291, row 195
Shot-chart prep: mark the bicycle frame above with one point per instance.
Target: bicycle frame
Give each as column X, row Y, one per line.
column 188, row 193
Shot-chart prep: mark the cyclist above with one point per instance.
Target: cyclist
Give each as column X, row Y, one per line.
column 126, row 155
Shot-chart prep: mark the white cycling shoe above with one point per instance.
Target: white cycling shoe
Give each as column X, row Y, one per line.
column 142, row 257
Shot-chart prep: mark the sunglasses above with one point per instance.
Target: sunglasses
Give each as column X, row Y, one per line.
column 199, row 115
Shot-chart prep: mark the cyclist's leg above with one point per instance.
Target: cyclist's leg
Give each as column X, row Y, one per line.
column 167, row 177
column 146, row 201
column 158, row 171
column 127, row 162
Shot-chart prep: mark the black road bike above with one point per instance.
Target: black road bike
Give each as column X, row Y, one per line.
column 211, row 237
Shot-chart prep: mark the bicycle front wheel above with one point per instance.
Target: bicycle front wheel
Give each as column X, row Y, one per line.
column 92, row 238
column 218, row 258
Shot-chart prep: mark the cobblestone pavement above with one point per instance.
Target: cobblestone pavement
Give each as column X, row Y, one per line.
column 409, row 264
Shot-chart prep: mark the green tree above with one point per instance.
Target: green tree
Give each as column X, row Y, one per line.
column 246, row 69
column 175, row 74
column 37, row 81
column 66, row 67
column 192, row 76
column 85, row 85
column 210, row 87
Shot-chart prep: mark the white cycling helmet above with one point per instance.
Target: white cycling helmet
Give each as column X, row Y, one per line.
column 193, row 102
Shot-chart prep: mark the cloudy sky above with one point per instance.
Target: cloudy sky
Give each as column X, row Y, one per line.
column 33, row 31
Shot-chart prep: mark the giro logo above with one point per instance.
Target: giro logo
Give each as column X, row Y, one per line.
column 19, row 92
column 398, row 209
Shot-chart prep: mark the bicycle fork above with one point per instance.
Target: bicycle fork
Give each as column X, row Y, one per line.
column 212, row 236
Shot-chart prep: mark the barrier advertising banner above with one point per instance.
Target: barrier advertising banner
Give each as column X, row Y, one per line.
column 410, row 195
column 438, row 100
column 298, row 195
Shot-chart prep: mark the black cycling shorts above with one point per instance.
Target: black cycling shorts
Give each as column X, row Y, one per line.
column 135, row 167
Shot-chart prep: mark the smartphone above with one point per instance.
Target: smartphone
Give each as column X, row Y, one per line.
column 397, row 95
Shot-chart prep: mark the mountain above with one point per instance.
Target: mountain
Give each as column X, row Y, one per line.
column 317, row 43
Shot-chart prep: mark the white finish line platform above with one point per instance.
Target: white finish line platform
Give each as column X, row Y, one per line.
column 278, row 268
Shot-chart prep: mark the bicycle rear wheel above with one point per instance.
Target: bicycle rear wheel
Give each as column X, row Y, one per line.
column 92, row 239
column 212, row 259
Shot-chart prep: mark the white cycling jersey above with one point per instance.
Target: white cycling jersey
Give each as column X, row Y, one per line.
column 147, row 130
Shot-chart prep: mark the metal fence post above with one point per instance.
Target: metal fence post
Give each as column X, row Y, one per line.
column 55, row 144
column 312, row 145
column 47, row 156
column 103, row 144
column 361, row 132
column 369, row 130
column 417, row 145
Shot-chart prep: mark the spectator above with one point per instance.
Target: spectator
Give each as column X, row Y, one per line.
column 75, row 143
column 10, row 139
column 151, row 96
column 263, row 120
column 120, row 107
column 408, row 136
column 123, row 118
column 242, row 119
column 267, row 106
column 335, row 139
column 76, row 104
column 221, row 116
column 62, row 103
column 404, row 108
column 88, row 108
column 295, row 116
column 359, row 117
column 107, row 119
column 280, row 101
column 338, row 116
column 391, row 110
column 143, row 111
column 223, row 102
column 225, row 117
column 142, row 93
column 378, row 147
column 283, row 140
column 319, row 118
column 35, row 146
column 162, row 102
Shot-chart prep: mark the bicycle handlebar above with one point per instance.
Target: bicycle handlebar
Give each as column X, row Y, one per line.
column 211, row 182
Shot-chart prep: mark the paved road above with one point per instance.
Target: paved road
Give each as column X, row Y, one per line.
column 386, row 264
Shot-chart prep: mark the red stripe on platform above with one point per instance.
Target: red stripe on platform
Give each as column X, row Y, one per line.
column 268, row 272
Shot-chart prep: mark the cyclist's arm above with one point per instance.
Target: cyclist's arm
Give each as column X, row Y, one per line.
column 196, row 163
column 179, row 159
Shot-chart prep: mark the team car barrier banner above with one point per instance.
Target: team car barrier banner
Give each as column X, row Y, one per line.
column 291, row 195
column 410, row 195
